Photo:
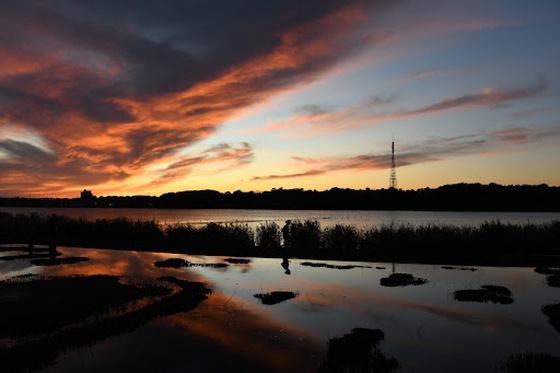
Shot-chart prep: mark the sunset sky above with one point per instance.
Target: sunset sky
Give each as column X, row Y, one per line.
column 148, row 97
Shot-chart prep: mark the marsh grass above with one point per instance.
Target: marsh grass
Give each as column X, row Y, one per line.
column 357, row 352
column 237, row 260
column 553, row 313
column 331, row 266
column 179, row 263
column 486, row 293
column 46, row 305
column 268, row 237
column 51, row 316
column 552, row 275
column 401, row 279
column 275, row 297
column 59, row 261
column 531, row 362
column 459, row 268
column 491, row 243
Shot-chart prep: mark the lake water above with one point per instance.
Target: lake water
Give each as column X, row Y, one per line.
column 360, row 218
column 425, row 328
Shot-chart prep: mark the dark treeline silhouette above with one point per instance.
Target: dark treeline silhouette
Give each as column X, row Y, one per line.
column 455, row 197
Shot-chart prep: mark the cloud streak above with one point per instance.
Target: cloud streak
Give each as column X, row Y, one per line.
column 324, row 119
column 432, row 149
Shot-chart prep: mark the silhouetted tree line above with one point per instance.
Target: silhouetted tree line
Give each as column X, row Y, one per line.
column 456, row 197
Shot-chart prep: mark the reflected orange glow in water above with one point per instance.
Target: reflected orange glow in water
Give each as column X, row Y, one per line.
column 423, row 325
column 252, row 336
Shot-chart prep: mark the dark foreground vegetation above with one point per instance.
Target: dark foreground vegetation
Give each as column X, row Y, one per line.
column 491, row 243
column 553, row 313
column 401, row 279
column 357, row 352
column 456, row 197
column 275, row 297
column 486, row 293
column 528, row 362
column 41, row 318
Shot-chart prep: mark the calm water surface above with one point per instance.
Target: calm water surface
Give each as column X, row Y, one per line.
column 359, row 218
column 426, row 330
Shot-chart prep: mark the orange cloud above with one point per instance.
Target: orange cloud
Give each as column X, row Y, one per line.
column 114, row 102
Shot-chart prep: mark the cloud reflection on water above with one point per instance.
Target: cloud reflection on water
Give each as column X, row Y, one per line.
column 417, row 321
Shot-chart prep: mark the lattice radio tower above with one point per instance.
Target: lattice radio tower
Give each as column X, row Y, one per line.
column 393, row 178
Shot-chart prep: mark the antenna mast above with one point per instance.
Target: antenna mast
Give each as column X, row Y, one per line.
column 393, row 178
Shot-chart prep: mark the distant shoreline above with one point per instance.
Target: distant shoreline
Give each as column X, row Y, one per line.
column 455, row 197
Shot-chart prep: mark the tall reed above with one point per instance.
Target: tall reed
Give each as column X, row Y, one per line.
column 492, row 242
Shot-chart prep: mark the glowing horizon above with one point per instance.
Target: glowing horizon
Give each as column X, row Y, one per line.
column 146, row 100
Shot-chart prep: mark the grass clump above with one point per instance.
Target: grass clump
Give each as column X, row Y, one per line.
column 401, row 279
column 237, row 260
column 50, row 316
column 179, row 263
column 275, row 297
column 553, row 280
column 59, row 261
column 527, row 362
column 553, row 313
column 487, row 293
column 552, row 275
column 357, row 352
column 47, row 304
column 332, row 266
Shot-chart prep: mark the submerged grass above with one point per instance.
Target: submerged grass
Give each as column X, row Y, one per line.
column 491, row 243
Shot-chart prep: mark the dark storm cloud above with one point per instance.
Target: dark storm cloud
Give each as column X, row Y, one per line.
column 20, row 151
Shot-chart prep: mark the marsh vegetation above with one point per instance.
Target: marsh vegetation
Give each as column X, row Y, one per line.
column 553, row 313
column 486, row 293
column 357, row 351
column 491, row 243
column 528, row 362
column 41, row 318
column 401, row 279
column 275, row 297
